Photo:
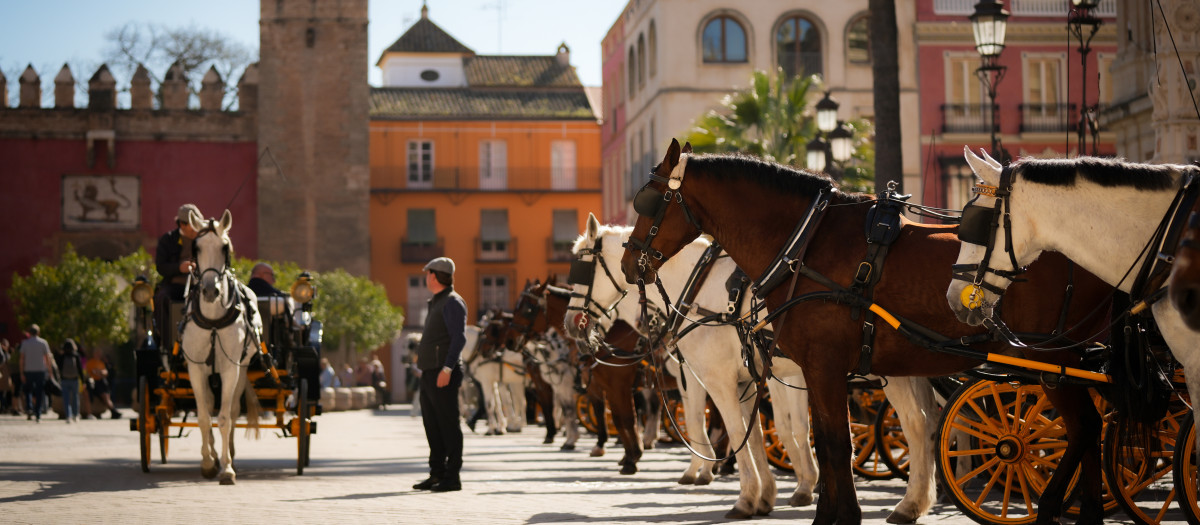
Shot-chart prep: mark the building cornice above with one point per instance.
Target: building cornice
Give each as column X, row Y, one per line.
column 959, row 33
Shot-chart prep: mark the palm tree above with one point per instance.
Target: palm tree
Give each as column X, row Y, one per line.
column 770, row 119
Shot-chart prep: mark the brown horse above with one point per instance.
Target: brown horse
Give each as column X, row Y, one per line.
column 750, row 207
column 1184, row 283
column 611, row 378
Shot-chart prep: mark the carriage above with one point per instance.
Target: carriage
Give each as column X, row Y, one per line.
column 283, row 374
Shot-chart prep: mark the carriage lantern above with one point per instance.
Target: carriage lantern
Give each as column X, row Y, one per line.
column 815, row 158
column 302, row 289
column 141, row 294
column 989, row 23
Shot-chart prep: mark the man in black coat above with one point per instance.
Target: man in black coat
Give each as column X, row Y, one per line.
column 262, row 281
column 439, row 359
column 173, row 260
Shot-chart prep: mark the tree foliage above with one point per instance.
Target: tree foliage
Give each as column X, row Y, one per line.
column 771, row 119
column 355, row 310
column 80, row 298
column 196, row 49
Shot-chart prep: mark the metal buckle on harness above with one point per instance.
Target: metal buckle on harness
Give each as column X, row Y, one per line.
column 863, row 273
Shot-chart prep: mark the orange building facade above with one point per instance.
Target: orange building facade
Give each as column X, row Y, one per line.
column 493, row 161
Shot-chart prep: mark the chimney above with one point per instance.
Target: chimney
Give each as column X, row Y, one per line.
column 174, row 88
column 248, row 89
column 424, row 10
column 31, row 88
column 64, row 88
column 564, row 55
column 212, row 90
column 140, row 95
column 3, row 90
column 102, row 90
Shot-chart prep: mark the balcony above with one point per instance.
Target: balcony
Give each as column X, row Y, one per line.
column 559, row 251
column 421, row 252
column 467, row 178
column 1048, row 118
column 495, row 251
column 1039, row 8
column 968, row 118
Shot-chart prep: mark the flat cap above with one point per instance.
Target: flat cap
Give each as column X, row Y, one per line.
column 184, row 210
column 441, row 264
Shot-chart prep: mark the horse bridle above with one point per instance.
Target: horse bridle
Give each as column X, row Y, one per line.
column 979, row 226
column 583, row 273
column 650, row 202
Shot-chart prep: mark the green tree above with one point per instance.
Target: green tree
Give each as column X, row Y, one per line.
column 81, row 298
column 356, row 313
column 770, row 119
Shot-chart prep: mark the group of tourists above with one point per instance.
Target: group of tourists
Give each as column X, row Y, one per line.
column 32, row 373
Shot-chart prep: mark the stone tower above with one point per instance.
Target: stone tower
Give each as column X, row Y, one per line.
column 312, row 117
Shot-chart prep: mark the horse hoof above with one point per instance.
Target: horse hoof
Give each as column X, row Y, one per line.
column 900, row 517
column 629, row 469
column 765, row 511
column 704, row 480
column 804, row 500
column 228, row 480
column 737, row 514
column 687, row 480
column 548, row 440
column 566, row 446
column 596, row 452
column 209, row 473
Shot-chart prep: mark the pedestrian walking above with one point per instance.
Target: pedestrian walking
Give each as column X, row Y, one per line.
column 439, row 356
column 97, row 371
column 36, row 364
column 70, row 370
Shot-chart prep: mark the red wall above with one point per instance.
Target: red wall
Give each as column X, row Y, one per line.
column 172, row 173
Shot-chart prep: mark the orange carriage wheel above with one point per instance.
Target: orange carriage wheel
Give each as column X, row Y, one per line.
column 777, row 456
column 997, row 446
column 890, row 440
column 868, row 458
column 1185, row 472
column 1143, row 471
column 673, row 421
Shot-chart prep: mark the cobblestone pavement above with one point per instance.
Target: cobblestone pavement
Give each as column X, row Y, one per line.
column 362, row 466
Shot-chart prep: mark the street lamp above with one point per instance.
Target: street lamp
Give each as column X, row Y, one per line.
column 827, row 109
column 989, row 23
column 841, row 143
column 818, row 149
column 1081, row 15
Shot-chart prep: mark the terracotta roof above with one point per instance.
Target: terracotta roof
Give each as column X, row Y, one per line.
column 392, row 103
column 426, row 37
column 527, row 71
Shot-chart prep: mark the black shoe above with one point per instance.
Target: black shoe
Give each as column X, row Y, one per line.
column 447, row 485
column 427, row 484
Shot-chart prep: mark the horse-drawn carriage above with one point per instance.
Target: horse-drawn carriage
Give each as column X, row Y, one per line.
column 249, row 354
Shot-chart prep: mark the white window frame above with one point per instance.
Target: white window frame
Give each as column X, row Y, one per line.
column 417, row 300
column 492, row 294
column 1030, row 61
column 563, row 164
column 493, row 165
column 422, row 177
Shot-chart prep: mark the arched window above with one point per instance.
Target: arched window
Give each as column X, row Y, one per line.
column 798, row 46
column 653, row 50
column 858, row 42
column 641, row 59
column 724, row 40
column 632, row 72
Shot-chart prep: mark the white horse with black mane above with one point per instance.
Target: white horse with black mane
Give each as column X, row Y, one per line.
column 220, row 335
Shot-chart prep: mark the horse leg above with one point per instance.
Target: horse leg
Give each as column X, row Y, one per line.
column 597, row 403
column 1079, row 415
column 203, row 396
column 917, row 410
column 756, row 455
column 625, row 419
column 230, row 381
column 838, row 502
column 695, row 400
column 564, row 396
column 653, row 423
column 725, row 396
column 516, row 391
column 791, row 426
column 546, row 400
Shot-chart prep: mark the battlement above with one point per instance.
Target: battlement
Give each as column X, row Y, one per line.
column 174, row 92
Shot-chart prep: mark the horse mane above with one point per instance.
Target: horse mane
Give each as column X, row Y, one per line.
column 771, row 175
column 1101, row 171
column 582, row 242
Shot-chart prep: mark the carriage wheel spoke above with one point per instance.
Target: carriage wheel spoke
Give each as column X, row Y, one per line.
column 1001, row 409
column 979, row 430
column 974, row 473
column 1026, row 491
column 987, row 488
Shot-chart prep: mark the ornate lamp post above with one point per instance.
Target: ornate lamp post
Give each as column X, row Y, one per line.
column 818, row 156
column 817, row 151
column 1081, row 17
column 989, row 23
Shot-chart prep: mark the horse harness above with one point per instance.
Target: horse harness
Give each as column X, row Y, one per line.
column 584, row 273
column 239, row 304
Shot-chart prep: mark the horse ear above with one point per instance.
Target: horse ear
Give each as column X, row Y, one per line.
column 983, row 169
column 687, row 147
column 672, row 157
column 593, row 226
column 195, row 220
column 226, row 221
column 995, row 163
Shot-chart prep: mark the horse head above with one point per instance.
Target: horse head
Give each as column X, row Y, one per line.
column 212, row 251
column 990, row 256
column 596, row 290
column 673, row 227
column 529, row 315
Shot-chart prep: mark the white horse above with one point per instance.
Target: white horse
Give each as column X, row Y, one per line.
column 220, row 334
column 553, row 357
column 501, row 378
column 1101, row 226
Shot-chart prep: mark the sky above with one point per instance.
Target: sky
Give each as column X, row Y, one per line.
column 47, row 34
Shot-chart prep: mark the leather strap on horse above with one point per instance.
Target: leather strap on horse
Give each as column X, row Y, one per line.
column 882, row 229
column 695, row 281
column 793, row 250
column 1155, row 270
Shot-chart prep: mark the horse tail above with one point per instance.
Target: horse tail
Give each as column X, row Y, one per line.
column 252, row 413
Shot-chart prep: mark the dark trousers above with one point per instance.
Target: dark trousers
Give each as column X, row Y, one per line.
column 35, row 393
column 439, row 413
